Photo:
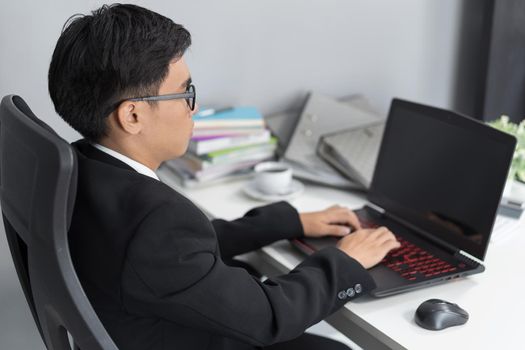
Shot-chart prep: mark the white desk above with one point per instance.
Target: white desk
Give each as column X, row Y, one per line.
column 494, row 298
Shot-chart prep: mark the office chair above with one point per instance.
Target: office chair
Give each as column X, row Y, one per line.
column 38, row 179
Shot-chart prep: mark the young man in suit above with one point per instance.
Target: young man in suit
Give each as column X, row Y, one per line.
column 149, row 260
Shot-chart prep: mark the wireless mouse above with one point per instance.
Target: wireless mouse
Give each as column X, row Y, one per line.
column 436, row 314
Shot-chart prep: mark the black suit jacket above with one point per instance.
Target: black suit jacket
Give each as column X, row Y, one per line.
column 152, row 265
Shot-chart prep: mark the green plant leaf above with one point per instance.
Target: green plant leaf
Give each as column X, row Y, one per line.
column 517, row 170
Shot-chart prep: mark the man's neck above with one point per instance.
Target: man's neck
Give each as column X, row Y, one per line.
column 138, row 167
column 131, row 152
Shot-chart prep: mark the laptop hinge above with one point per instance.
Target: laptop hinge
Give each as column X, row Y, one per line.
column 467, row 258
column 375, row 207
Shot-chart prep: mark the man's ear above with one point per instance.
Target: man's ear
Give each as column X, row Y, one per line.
column 127, row 117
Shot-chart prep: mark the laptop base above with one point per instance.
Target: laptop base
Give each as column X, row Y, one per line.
column 388, row 281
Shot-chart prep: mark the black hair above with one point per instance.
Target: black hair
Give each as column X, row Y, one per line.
column 117, row 52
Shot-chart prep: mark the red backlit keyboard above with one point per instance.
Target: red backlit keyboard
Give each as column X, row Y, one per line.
column 412, row 262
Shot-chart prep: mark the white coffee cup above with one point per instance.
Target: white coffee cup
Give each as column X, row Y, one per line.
column 273, row 177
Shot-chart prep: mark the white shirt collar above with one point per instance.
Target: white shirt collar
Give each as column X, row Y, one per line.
column 140, row 168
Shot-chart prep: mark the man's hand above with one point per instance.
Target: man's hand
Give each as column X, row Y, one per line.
column 333, row 221
column 368, row 246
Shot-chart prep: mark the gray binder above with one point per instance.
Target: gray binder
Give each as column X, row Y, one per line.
column 353, row 152
column 323, row 115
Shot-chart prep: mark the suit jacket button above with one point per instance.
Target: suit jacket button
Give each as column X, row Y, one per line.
column 341, row 295
column 350, row 292
column 358, row 288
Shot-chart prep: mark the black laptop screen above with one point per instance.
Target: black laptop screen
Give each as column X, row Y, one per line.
column 442, row 172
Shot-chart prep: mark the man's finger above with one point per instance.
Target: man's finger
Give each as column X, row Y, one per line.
column 391, row 244
column 346, row 216
column 385, row 235
column 354, row 220
column 378, row 232
column 337, row 230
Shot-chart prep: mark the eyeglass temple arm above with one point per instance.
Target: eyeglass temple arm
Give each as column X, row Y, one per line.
column 164, row 97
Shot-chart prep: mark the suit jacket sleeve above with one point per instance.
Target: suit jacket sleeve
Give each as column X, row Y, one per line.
column 173, row 270
column 258, row 227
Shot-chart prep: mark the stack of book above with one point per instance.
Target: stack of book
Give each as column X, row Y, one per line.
column 224, row 143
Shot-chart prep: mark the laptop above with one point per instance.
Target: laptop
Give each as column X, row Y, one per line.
column 436, row 185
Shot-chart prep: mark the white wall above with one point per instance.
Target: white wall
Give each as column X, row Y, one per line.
column 265, row 53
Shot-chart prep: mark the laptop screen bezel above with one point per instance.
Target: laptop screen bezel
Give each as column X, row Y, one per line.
column 458, row 120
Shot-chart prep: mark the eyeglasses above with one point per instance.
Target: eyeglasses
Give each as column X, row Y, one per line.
column 190, row 97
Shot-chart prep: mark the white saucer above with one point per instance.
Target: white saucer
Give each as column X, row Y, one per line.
column 295, row 189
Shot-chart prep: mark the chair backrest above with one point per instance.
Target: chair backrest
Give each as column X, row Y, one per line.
column 38, row 179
